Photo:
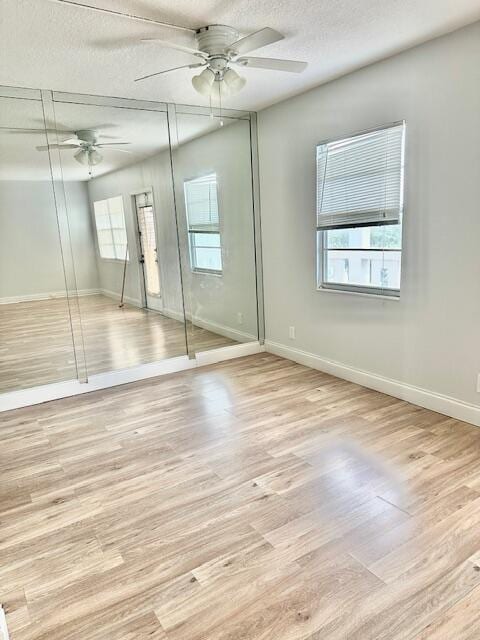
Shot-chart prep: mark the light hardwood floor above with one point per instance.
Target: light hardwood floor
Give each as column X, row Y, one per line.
column 36, row 342
column 252, row 500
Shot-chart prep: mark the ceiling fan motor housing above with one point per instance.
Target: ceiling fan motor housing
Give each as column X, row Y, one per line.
column 216, row 39
column 87, row 135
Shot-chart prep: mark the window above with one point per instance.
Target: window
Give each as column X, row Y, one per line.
column 359, row 211
column 203, row 224
column 111, row 232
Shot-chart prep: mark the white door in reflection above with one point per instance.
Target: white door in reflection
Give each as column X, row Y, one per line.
column 148, row 249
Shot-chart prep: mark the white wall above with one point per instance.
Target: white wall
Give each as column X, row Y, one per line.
column 213, row 300
column 82, row 234
column 429, row 338
column 30, row 257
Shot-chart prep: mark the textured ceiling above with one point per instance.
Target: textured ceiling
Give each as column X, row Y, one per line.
column 43, row 44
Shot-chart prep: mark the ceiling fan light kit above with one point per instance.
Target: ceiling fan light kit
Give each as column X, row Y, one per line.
column 88, row 157
column 210, row 84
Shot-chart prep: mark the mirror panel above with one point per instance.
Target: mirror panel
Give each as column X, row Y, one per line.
column 36, row 346
column 213, row 187
column 119, row 197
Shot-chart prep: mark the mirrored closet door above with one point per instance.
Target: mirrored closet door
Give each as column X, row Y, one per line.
column 36, row 303
column 115, row 162
column 212, row 168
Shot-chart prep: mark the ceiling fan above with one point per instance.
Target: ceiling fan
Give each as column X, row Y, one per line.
column 218, row 48
column 86, row 141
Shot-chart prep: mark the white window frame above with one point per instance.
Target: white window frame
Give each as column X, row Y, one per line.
column 322, row 283
column 117, row 257
column 193, row 232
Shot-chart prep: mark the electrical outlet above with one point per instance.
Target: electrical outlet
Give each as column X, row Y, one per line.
column 478, row 383
column 291, row 333
column 240, row 317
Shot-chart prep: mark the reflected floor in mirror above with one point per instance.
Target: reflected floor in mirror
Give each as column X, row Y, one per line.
column 37, row 347
column 254, row 499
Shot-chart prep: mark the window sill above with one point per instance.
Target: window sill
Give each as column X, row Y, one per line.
column 377, row 296
column 114, row 260
column 207, row 272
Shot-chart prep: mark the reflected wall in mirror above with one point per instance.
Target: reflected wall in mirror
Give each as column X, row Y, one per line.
column 213, row 186
column 36, row 346
column 124, row 234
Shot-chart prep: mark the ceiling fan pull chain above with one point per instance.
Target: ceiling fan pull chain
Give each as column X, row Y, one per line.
column 220, row 102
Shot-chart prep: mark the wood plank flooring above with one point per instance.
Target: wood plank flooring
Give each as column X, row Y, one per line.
column 36, row 343
column 252, row 500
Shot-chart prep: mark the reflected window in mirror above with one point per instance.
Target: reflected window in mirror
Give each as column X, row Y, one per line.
column 111, row 230
column 203, row 223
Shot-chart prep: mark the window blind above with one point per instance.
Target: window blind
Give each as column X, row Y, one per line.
column 360, row 179
column 201, row 203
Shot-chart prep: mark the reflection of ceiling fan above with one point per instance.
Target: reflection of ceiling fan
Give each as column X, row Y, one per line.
column 86, row 141
column 219, row 48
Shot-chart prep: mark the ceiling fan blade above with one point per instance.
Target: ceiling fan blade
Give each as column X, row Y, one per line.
column 122, row 150
column 110, row 144
column 76, row 142
column 120, row 14
column 174, row 45
column 274, row 64
column 256, row 40
column 56, row 146
column 105, row 137
column 158, row 73
column 43, row 131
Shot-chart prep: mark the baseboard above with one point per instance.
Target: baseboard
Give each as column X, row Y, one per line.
column 416, row 395
column 228, row 353
column 214, row 327
column 114, row 295
column 173, row 314
column 50, row 295
column 45, row 393
column 3, row 625
column 223, row 330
